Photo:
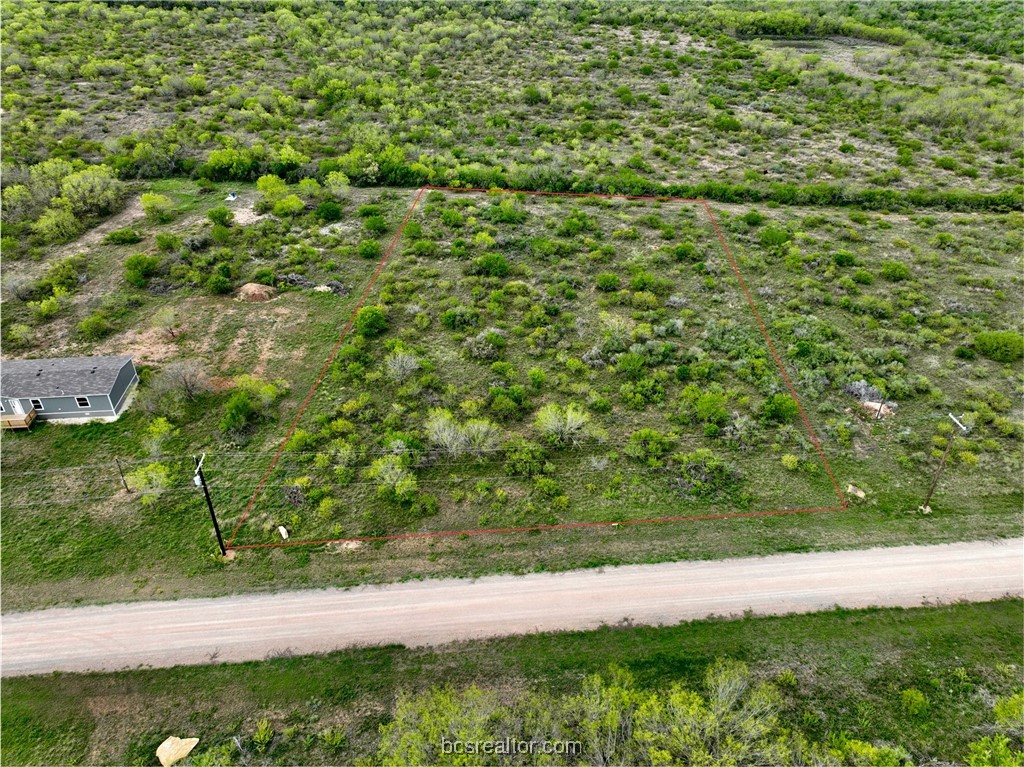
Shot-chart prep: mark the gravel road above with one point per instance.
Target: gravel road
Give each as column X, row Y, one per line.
column 252, row 627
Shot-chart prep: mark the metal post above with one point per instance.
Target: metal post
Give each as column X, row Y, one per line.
column 938, row 471
column 880, row 406
column 201, row 481
column 121, row 472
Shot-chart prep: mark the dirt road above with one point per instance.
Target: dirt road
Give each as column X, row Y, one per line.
column 433, row 612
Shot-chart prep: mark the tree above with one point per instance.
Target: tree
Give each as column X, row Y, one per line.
column 157, row 207
column 57, row 224
column 157, row 433
column 562, row 426
column 17, row 202
column 394, row 480
column 93, row 191
column 336, row 183
column 166, row 319
column 185, row 378
column 272, row 187
column 150, row 481
column 46, row 178
column 371, row 321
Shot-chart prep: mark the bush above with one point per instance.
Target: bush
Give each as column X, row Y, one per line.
column 779, row 408
column 370, row 249
column 702, row 474
column 328, row 211
column 126, row 236
column 371, row 321
column 460, row 318
column 524, row 458
column 218, row 284
column 139, row 268
column 94, row 327
column 607, row 282
column 491, row 264
column 1000, row 345
column 291, row 205
column 239, row 411
column 562, row 426
column 685, row 251
column 647, row 444
column 221, row 215
column 913, row 702
column 375, row 225
column 157, row 207
column 790, row 462
column 895, row 271
column 168, row 243
column 844, row 258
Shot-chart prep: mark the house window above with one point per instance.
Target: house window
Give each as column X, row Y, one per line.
column 82, row 401
column 37, row 404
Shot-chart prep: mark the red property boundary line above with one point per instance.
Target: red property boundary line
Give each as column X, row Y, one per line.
column 567, row 525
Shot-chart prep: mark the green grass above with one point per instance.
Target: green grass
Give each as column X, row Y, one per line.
column 850, row 666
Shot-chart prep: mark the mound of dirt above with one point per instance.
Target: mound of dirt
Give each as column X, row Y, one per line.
column 254, row 293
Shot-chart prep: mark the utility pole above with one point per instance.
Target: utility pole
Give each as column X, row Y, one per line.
column 200, row 481
column 942, row 463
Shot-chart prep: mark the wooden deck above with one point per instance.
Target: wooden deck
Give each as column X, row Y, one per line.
column 16, row 421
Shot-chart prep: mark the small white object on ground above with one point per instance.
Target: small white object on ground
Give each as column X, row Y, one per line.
column 854, row 490
column 175, row 749
column 284, row 533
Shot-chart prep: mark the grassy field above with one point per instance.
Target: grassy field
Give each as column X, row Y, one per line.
column 843, row 671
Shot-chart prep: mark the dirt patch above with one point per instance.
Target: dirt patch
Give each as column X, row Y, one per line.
column 152, row 345
column 132, row 212
column 245, row 212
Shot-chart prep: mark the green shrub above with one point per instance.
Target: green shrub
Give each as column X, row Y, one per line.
column 790, row 462
column 218, row 284
column 727, row 123
column 895, row 271
column 844, row 258
column 221, row 215
column 328, row 211
column 139, row 268
column 608, row 282
column 779, row 408
column 685, row 251
column 167, row 242
column 238, row 412
column 371, row 321
column 94, row 327
column 913, row 702
column 157, row 207
column 370, row 249
column 375, row 225
column 460, row 318
column 524, row 458
column 702, row 474
column 491, row 264
column 1000, row 345
column 126, row 236
column 291, row 205
column 647, row 444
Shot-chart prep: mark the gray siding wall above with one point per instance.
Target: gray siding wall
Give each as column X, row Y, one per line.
column 67, row 407
column 9, row 408
column 125, row 378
